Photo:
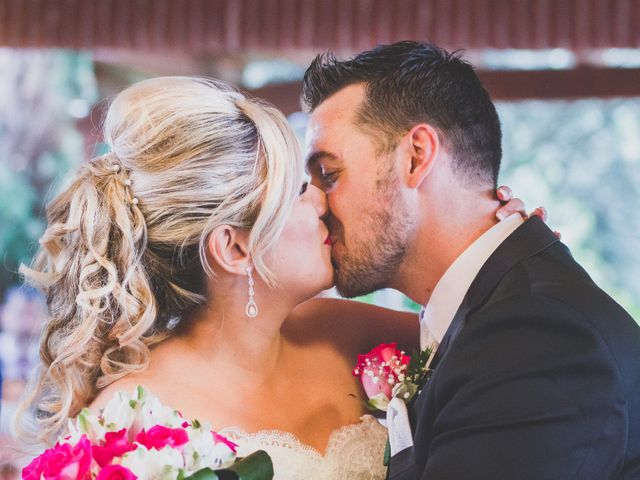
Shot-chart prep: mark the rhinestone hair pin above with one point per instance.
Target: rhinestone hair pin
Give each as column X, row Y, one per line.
column 127, row 183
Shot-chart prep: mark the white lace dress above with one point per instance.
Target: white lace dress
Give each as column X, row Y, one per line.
column 354, row 452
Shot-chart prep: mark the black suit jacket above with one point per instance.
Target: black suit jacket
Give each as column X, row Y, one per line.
column 538, row 376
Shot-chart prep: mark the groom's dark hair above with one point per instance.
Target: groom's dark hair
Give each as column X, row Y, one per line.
column 407, row 83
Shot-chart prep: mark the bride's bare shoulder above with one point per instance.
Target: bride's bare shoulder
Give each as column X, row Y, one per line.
column 354, row 326
column 126, row 384
column 107, row 393
column 166, row 362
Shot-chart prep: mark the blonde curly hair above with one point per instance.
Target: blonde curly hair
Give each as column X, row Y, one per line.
column 119, row 272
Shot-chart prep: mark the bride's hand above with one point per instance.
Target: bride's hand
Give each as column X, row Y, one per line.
column 515, row 205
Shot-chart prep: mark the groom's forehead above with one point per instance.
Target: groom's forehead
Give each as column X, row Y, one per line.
column 338, row 110
column 322, row 135
column 332, row 125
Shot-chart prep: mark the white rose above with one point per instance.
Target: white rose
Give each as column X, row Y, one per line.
column 119, row 412
column 199, row 451
column 138, row 462
column 168, row 463
column 89, row 424
column 221, row 457
column 74, row 434
column 154, row 464
column 153, row 413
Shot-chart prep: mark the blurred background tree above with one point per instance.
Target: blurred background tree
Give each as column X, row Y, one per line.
column 581, row 160
column 44, row 93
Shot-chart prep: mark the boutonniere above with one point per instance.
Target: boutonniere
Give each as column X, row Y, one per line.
column 386, row 372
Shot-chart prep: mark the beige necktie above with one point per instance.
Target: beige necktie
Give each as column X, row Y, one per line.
column 427, row 340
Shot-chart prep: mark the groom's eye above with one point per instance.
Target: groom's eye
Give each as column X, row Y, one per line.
column 328, row 178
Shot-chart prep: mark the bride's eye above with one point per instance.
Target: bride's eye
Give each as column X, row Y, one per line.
column 304, row 187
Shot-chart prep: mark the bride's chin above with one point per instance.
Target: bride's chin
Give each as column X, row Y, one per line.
column 327, row 285
column 332, row 282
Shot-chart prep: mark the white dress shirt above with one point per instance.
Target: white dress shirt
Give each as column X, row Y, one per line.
column 438, row 313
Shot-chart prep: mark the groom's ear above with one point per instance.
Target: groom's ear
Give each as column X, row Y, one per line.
column 227, row 248
column 424, row 146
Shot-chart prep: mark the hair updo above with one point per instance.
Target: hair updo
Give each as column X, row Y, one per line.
column 123, row 256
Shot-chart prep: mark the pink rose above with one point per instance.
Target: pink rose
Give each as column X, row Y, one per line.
column 381, row 368
column 115, row 445
column 62, row 462
column 159, row 437
column 116, row 472
column 217, row 438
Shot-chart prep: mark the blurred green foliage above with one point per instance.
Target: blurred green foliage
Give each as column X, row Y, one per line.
column 581, row 160
column 43, row 96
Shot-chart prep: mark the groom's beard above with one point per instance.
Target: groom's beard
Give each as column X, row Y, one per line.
column 369, row 259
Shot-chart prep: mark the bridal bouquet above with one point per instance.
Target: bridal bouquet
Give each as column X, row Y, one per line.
column 136, row 437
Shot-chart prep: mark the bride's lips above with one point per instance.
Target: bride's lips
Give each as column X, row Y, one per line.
column 328, row 241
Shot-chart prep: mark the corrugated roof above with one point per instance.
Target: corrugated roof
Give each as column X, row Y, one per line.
column 221, row 26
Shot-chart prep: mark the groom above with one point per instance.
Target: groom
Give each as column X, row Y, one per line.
column 537, row 371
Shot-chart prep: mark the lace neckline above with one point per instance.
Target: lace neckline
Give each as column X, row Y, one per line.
column 291, row 441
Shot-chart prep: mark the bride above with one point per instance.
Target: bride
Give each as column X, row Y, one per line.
column 187, row 260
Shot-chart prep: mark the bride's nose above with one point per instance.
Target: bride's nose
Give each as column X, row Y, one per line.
column 318, row 200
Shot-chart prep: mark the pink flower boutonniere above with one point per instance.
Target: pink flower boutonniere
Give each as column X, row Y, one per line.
column 386, row 372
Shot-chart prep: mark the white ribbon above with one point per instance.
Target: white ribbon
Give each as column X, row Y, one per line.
column 400, row 435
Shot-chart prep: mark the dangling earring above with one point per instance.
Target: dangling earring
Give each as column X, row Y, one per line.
column 252, row 307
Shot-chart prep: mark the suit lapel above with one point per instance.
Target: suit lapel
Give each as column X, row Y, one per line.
column 530, row 238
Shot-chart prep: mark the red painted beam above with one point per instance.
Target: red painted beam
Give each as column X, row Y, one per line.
column 231, row 26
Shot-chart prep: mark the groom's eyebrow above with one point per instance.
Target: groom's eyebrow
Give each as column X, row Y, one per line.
column 315, row 157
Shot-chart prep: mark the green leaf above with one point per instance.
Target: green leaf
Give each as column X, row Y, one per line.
column 405, row 391
column 204, row 474
column 379, row 402
column 82, row 420
column 257, row 466
column 387, row 453
column 417, row 364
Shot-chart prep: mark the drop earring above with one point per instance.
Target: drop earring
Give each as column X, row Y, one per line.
column 252, row 308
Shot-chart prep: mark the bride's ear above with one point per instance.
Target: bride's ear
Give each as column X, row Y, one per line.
column 227, row 248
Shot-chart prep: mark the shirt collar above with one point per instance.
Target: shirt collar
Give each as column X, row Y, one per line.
column 437, row 314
